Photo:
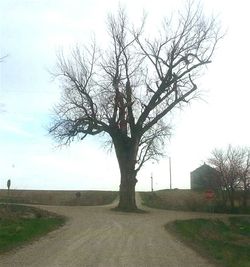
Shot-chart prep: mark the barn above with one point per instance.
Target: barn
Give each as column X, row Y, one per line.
column 205, row 178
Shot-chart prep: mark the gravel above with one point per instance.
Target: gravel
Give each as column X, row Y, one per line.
column 100, row 237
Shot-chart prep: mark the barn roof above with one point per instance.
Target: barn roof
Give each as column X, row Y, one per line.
column 204, row 168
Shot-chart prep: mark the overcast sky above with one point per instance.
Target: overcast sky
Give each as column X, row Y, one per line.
column 33, row 30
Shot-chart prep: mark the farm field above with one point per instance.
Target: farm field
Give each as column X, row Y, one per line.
column 56, row 197
column 177, row 199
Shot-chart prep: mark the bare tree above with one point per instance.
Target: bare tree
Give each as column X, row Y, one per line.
column 245, row 174
column 127, row 90
column 234, row 167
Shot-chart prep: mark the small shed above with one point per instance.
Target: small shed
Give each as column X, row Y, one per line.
column 205, row 178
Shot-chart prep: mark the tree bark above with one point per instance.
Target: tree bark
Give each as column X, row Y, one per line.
column 127, row 200
column 126, row 152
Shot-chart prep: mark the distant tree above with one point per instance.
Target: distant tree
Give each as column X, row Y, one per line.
column 234, row 167
column 245, row 174
column 127, row 90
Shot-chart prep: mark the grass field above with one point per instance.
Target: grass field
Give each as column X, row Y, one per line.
column 186, row 200
column 180, row 199
column 54, row 197
column 228, row 243
column 20, row 224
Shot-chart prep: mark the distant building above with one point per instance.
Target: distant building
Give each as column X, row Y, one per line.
column 204, row 178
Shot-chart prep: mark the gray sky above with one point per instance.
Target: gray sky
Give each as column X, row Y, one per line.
column 33, row 30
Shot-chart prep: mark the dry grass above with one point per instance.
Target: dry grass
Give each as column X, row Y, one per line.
column 177, row 200
column 54, row 197
column 189, row 200
column 183, row 199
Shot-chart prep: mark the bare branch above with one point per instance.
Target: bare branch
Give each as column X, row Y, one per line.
column 128, row 89
column 233, row 165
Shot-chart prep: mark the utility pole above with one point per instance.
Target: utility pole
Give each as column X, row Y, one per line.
column 170, row 174
column 8, row 186
column 152, row 189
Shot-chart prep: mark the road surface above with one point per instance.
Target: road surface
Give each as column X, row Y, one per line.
column 99, row 237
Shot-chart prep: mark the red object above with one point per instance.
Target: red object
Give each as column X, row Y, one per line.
column 209, row 194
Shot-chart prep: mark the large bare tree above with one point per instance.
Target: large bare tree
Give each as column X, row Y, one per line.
column 127, row 90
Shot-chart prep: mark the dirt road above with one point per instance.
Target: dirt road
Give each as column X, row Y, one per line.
column 99, row 237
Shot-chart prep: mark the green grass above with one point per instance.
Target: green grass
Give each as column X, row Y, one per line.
column 20, row 224
column 228, row 243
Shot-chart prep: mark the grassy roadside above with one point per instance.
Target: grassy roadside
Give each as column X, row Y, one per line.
column 228, row 243
column 21, row 224
column 181, row 199
column 187, row 200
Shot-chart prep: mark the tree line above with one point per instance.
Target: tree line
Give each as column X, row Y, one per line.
column 233, row 179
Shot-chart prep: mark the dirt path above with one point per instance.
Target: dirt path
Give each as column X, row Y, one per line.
column 99, row 237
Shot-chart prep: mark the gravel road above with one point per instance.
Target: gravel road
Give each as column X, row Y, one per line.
column 99, row 237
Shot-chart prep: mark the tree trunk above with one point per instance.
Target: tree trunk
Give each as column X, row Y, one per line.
column 231, row 198
column 126, row 152
column 245, row 194
column 244, row 202
column 127, row 193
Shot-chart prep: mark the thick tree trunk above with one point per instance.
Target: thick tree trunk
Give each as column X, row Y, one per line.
column 126, row 152
column 127, row 193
